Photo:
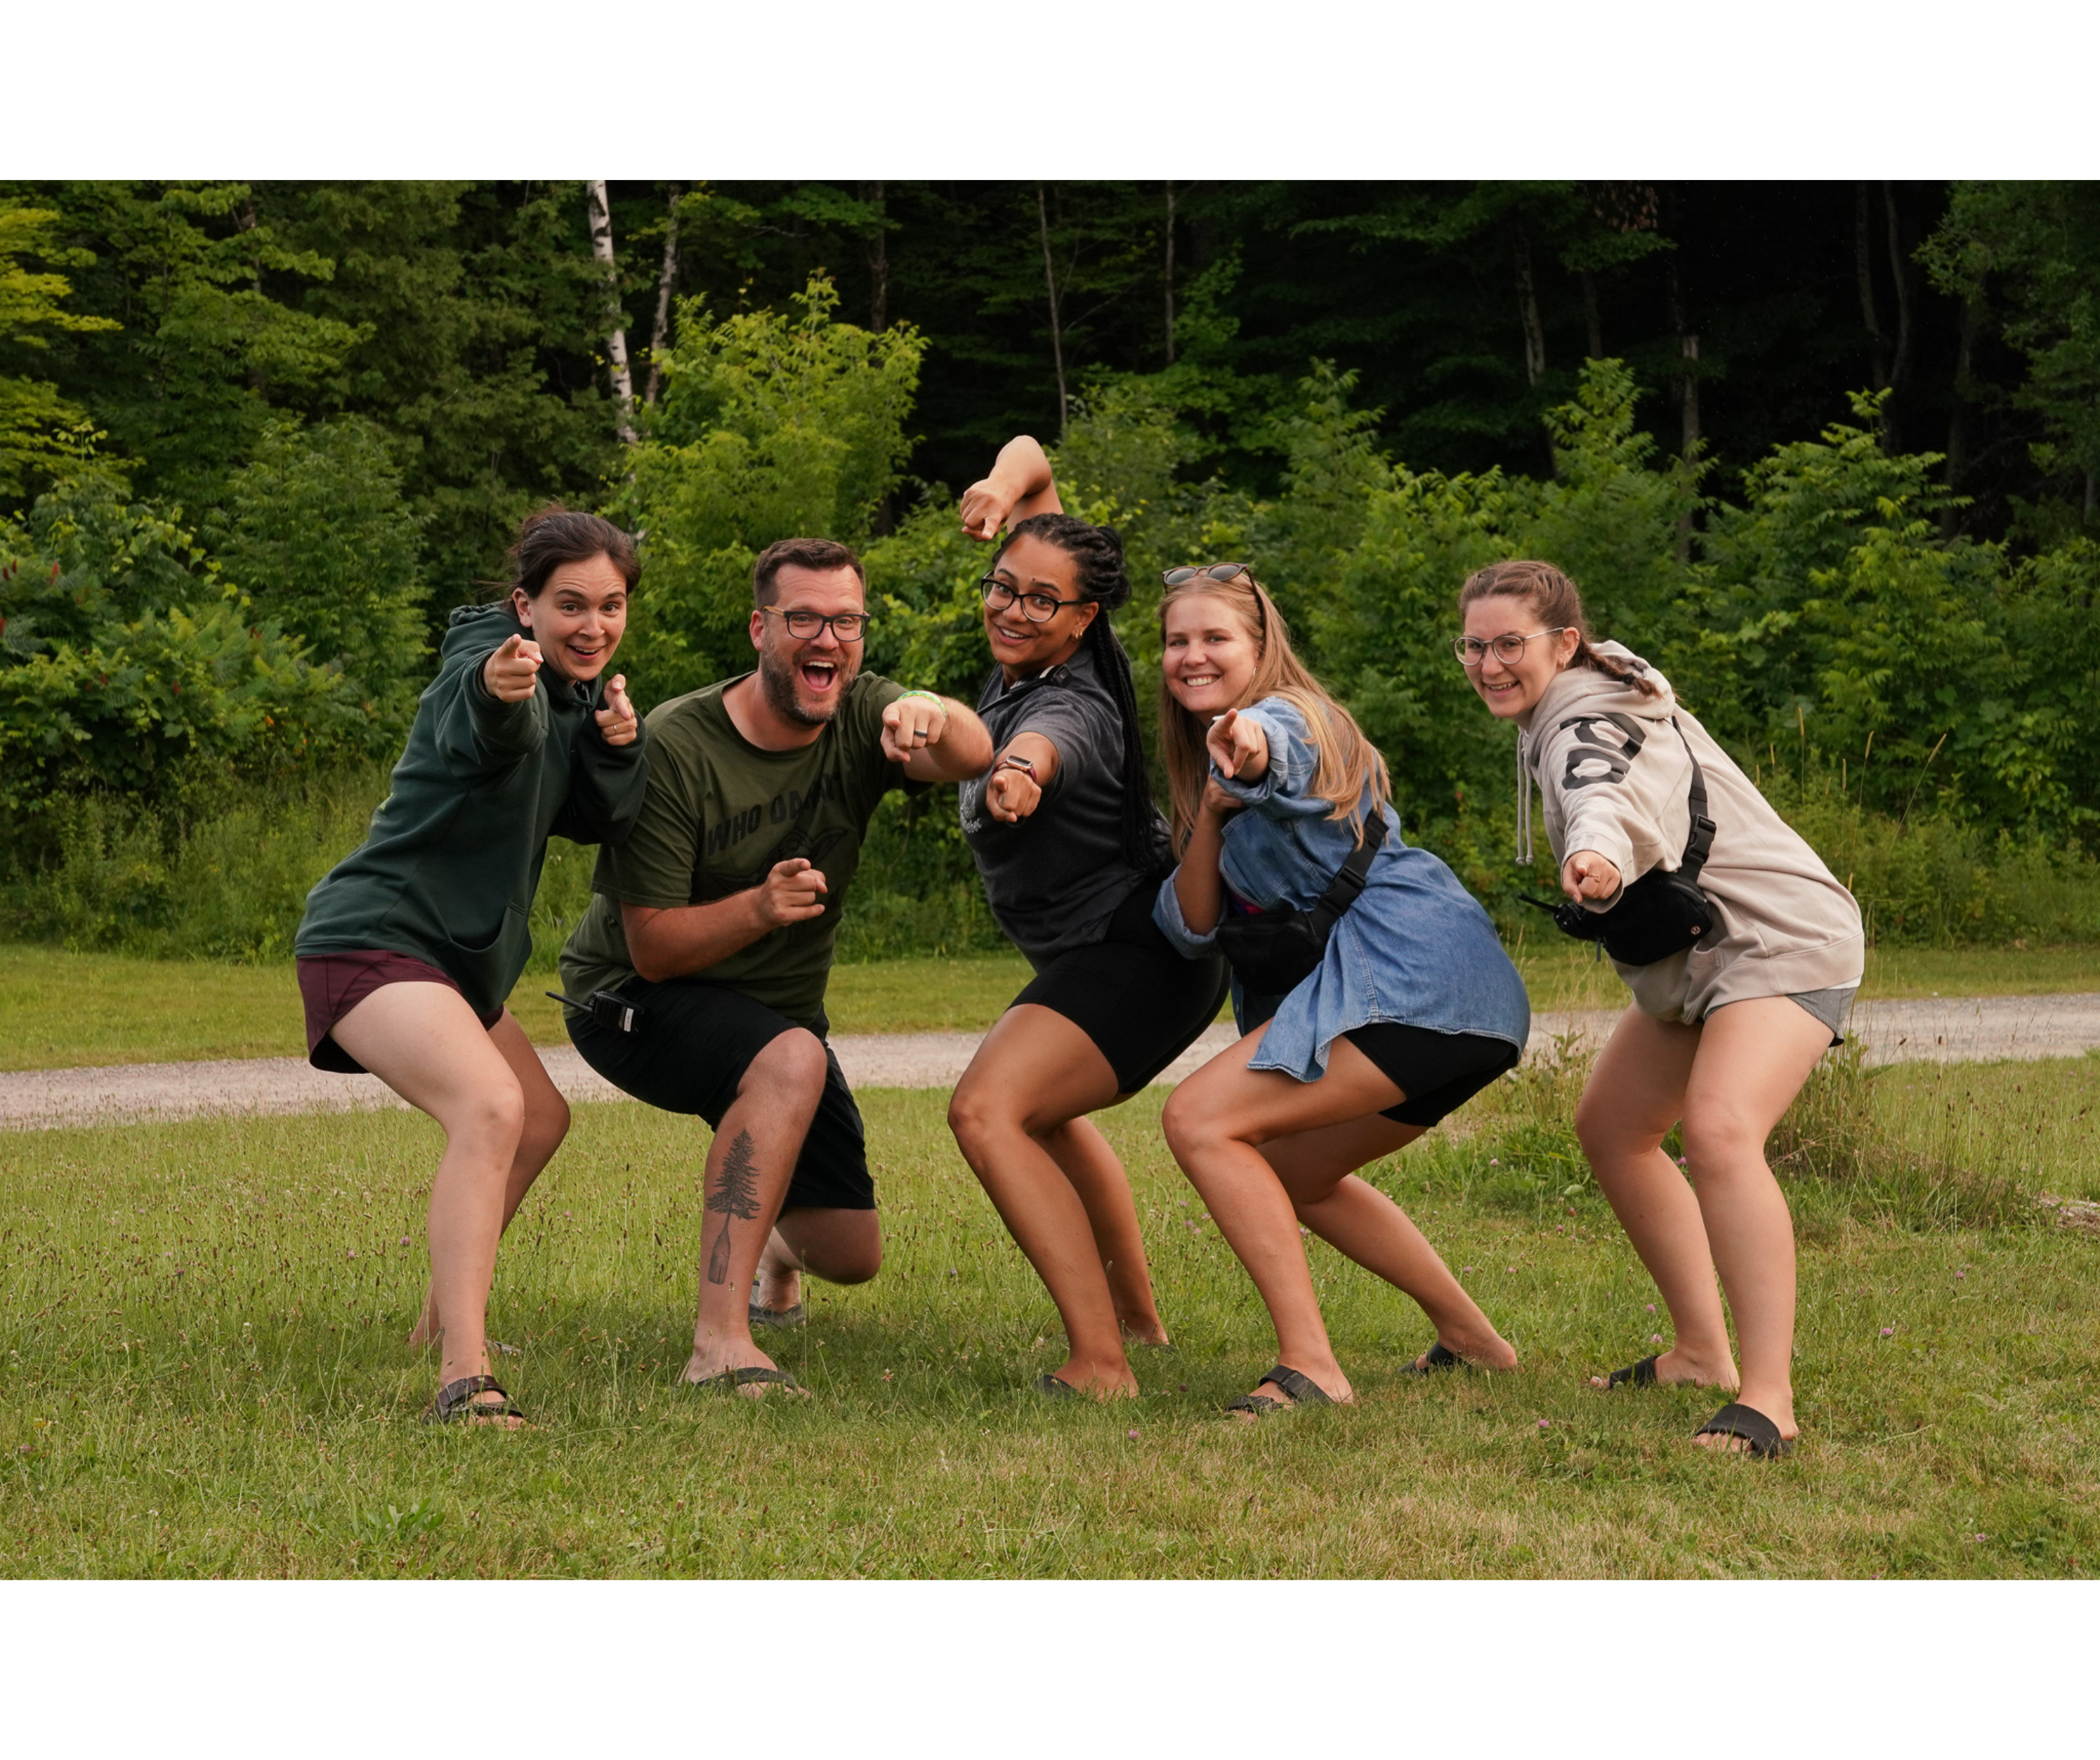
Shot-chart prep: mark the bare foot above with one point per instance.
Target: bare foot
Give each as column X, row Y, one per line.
column 1679, row 1367
column 778, row 1283
column 1152, row 1331
column 1098, row 1380
column 1483, row 1349
column 724, row 1355
column 1776, row 1406
column 1331, row 1382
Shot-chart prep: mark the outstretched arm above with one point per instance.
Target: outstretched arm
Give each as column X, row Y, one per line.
column 935, row 738
column 1199, row 888
column 1019, row 487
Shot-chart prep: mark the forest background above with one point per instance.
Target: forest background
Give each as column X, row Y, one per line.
column 1827, row 453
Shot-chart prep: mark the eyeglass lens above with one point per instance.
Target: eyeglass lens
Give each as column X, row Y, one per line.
column 1038, row 608
column 1217, row 571
column 805, row 626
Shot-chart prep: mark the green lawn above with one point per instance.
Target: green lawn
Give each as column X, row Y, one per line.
column 205, row 1377
column 59, row 1010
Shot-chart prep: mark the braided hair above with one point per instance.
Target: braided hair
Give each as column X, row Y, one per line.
column 1104, row 582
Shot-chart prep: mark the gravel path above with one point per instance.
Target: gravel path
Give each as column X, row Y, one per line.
column 1934, row 1030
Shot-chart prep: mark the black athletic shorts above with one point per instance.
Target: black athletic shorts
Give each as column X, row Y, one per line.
column 691, row 1043
column 1438, row 1072
column 1138, row 1000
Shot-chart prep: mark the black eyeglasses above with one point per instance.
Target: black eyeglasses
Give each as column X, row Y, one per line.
column 1217, row 571
column 806, row 626
column 1037, row 607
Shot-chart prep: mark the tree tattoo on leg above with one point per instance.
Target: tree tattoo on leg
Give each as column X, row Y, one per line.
column 734, row 1194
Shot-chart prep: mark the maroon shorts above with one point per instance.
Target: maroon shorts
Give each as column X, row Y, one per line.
column 331, row 984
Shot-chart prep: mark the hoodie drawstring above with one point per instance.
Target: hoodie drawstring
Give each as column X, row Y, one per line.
column 1523, row 803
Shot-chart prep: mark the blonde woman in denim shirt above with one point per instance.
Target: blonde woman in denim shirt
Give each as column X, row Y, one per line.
column 1413, row 1008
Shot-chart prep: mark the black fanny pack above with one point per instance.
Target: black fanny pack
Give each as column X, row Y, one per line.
column 1662, row 913
column 1272, row 953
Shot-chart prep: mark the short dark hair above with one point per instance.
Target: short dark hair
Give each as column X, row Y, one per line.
column 818, row 553
column 557, row 534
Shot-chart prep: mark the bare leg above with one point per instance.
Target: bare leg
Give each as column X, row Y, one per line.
column 838, row 1245
column 1034, row 1073
column 1216, row 1122
column 1753, row 1058
column 425, row 1043
column 748, row 1166
column 1318, row 1170
column 1635, row 1094
column 546, row 1124
column 1104, row 1188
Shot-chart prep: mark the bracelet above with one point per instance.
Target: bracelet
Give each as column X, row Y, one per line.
column 931, row 696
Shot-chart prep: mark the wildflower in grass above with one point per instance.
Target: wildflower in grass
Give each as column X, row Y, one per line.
column 1888, row 1331
column 1545, row 1423
column 1651, row 1307
column 1133, row 1436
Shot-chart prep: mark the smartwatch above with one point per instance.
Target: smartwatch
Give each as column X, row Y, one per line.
column 1011, row 762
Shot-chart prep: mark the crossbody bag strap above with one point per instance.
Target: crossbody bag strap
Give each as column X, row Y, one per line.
column 1699, row 844
column 1349, row 881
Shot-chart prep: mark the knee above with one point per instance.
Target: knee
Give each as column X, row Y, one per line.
column 495, row 1116
column 791, row 1070
column 1190, row 1125
column 975, row 1114
column 1716, row 1136
column 1605, row 1126
column 857, row 1262
column 545, row 1128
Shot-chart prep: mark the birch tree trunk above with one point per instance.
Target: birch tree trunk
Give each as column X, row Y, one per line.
column 1527, row 302
column 659, row 335
column 1057, row 330
column 615, row 341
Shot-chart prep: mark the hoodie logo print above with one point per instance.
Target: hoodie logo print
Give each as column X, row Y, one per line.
column 1591, row 730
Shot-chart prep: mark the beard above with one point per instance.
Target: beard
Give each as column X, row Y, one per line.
column 777, row 679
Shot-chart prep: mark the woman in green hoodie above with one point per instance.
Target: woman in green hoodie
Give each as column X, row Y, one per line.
column 412, row 942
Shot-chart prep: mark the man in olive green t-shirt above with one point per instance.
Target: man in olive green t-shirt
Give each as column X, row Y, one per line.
column 716, row 919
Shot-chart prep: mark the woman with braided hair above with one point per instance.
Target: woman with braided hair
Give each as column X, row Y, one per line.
column 1072, row 850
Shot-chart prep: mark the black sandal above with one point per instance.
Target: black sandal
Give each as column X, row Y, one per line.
column 1438, row 1356
column 1055, row 1387
column 779, row 1316
column 733, row 1378
column 456, row 1402
column 1302, row 1389
column 1639, row 1375
column 1759, row 1432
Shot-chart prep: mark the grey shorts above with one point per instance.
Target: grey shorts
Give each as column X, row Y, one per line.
column 1830, row 1006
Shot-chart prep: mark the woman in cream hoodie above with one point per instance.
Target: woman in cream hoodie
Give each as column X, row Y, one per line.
column 1720, row 1037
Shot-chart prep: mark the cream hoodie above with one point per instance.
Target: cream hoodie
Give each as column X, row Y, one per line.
column 1785, row 925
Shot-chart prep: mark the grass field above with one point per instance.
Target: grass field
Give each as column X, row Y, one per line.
column 202, row 1322
column 59, row 1010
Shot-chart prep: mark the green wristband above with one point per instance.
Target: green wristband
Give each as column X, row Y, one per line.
column 932, row 695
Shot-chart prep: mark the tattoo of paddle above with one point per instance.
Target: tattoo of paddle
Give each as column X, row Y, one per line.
column 734, row 1194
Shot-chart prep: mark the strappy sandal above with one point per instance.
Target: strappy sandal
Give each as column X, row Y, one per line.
column 1301, row 1389
column 779, row 1316
column 1438, row 1356
column 456, row 1403
column 747, row 1376
column 1639, row 1375
column 1758, row 1431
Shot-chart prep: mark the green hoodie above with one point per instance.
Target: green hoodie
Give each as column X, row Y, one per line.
column 447, row 873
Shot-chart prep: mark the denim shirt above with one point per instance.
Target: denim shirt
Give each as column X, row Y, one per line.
column 1416, row 948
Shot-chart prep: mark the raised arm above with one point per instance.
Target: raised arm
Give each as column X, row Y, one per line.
column 1199, row 888
column 1019, row 486
column 935, row 738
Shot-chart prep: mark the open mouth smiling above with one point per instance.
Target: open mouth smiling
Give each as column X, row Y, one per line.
column 819, row 675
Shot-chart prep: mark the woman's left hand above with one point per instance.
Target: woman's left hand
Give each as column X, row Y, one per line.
column 1587, row 875
column 1219, row 801
column 617, row 723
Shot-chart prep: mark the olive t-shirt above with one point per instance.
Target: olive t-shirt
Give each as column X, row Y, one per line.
column 719, row 814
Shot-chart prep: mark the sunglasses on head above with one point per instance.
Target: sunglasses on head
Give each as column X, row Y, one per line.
column 1217, row 571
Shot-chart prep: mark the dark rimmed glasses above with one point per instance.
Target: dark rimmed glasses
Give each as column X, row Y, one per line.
column 1509, row 649
column 1037, row 607
column 849, row 627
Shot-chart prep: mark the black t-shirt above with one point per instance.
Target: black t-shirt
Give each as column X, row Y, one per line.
column 1055, row 878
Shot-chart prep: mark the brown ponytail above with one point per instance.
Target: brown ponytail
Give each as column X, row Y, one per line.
column 1552, row 596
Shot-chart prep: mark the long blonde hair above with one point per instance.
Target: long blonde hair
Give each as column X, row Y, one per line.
column 1349, row 763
